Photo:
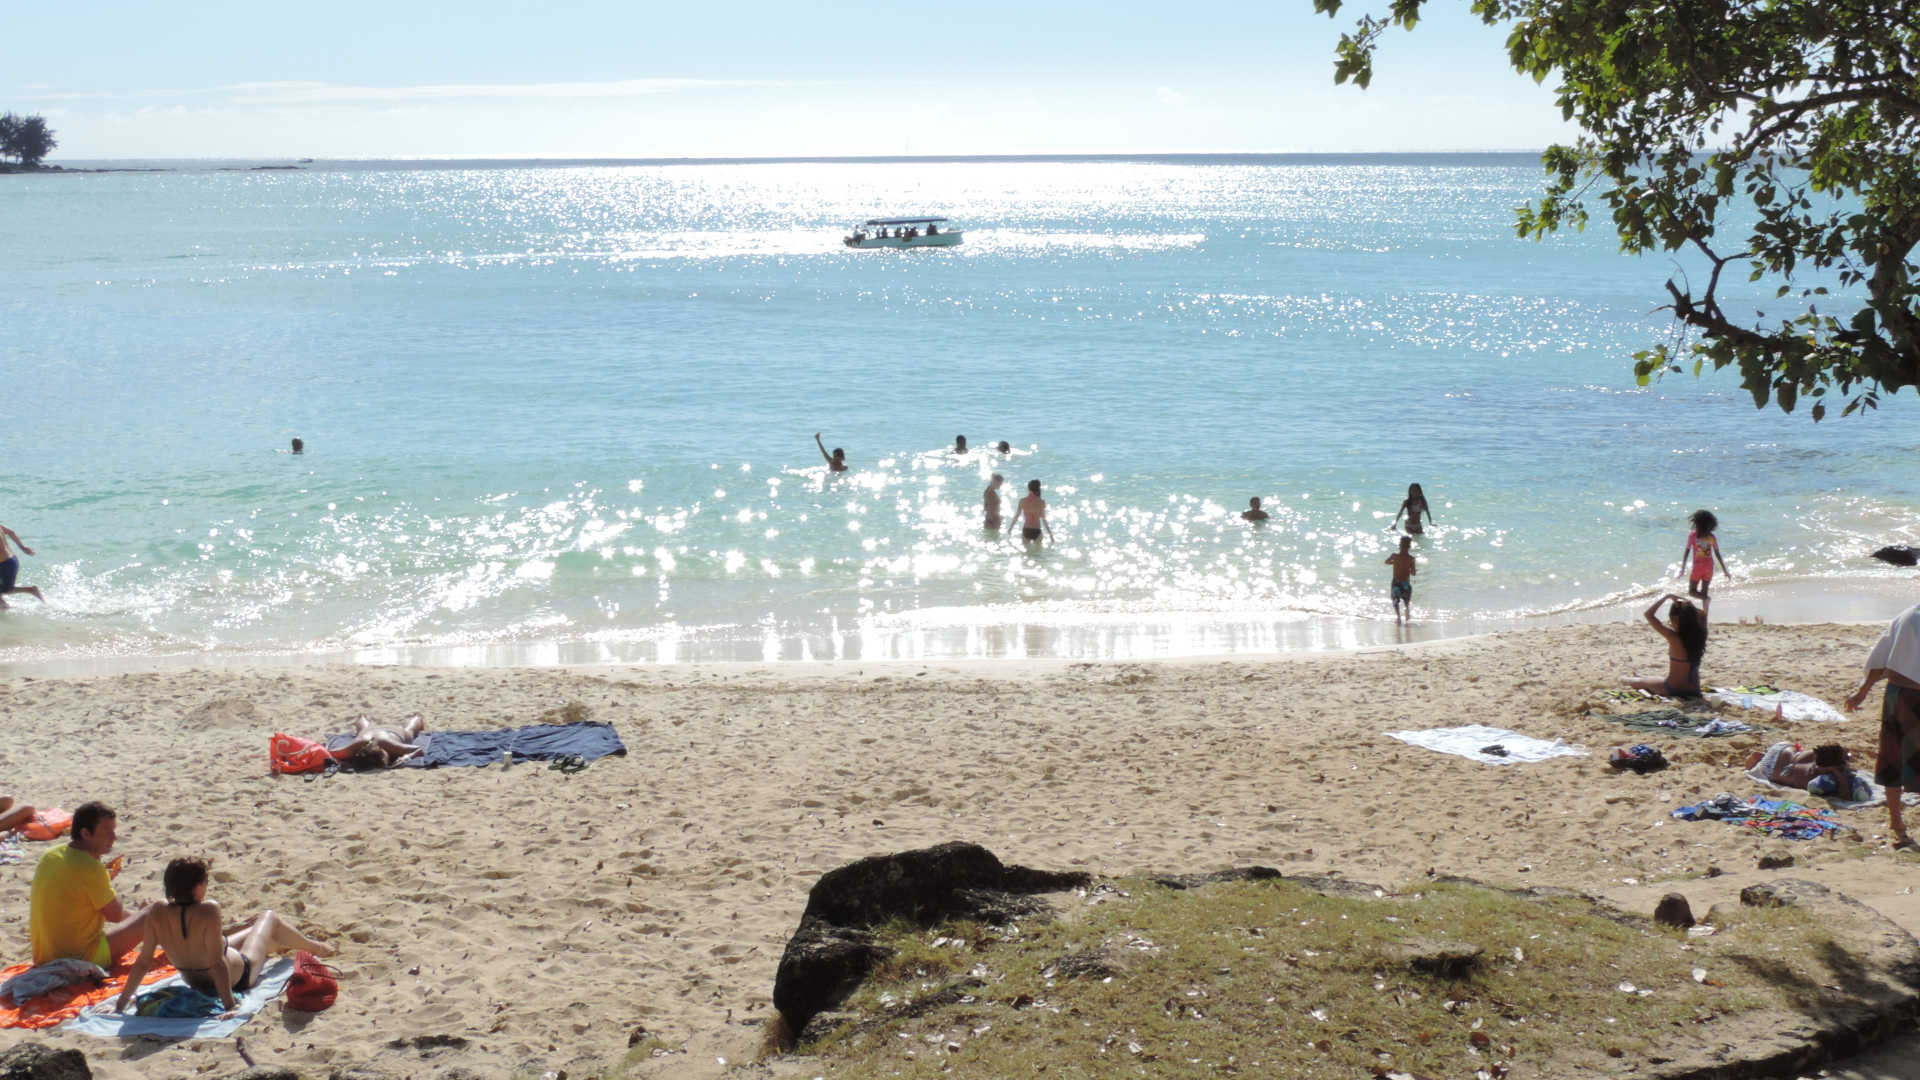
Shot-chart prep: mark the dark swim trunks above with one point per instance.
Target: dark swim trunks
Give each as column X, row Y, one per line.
column 1899, row 758
column 1402, row 590
column 1029, row 533
column 9, row 570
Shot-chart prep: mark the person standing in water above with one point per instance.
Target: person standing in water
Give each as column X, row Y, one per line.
column 959, row 444
column 1414, row 505
column 1253, row 511
column 1032, row 512
column 10, row 567
column 1701, row 552
column 1401, row 591
column 836, row 461
column 991, row 501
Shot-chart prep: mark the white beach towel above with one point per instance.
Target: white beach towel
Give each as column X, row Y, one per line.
column 101, row 1020
column 1467, row 742
column 1791, row 704
column 1898, row 650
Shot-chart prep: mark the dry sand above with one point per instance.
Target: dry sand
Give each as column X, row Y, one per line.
column 542, row 917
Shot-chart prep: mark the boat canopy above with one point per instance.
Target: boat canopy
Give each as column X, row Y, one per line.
column 906, row 221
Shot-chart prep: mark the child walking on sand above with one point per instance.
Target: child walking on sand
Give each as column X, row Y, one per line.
column 1402, row 588
column 1702, row 550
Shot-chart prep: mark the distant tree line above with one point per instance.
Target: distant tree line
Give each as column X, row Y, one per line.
column 26, row 137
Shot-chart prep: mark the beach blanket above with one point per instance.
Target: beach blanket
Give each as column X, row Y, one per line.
column 1684, row 725
column 65, row 1003
column 1475, row 740
column 1788, row 704
column 101, row 1020
column 537, row 742
column 1776, row 817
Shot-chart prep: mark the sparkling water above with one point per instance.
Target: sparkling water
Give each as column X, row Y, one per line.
column 566, row 413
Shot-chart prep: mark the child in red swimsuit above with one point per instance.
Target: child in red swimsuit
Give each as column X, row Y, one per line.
column 1701, row 552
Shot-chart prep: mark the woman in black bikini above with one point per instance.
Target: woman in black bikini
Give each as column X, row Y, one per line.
column 1686, row 634
column 187, row 926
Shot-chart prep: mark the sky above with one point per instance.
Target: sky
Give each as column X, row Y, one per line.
column 749, row 78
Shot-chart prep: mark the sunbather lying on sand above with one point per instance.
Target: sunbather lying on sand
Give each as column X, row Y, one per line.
column 11, row 816
column 381, row 746
column 1792, row 765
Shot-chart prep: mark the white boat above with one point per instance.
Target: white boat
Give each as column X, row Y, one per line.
column 910, row 232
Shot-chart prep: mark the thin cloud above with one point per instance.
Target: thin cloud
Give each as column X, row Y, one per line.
column 319, row 93
column 1169, row 96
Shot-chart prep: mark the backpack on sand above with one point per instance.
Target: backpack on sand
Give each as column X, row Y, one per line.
column 293, row 754
column 313, row 986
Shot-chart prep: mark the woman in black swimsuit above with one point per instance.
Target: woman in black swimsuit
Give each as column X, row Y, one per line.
column 1686, row 634
column 187, row 926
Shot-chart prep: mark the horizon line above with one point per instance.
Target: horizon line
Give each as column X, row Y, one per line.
column 829, row 159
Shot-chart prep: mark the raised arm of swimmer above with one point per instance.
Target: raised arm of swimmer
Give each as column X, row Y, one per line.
column 836, row 461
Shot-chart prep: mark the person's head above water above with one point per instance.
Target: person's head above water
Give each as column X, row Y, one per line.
column 1406, row 544
column 1414, row 492
column 1005, row 447
column 298, row 446
column 1033, row 486
column 181, row 880
column 1703, row 522
column 1254, row 503
column 839, row 454
column 959, row 444
column 997, row 480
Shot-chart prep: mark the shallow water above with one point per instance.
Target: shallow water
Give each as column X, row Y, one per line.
column 567, row 413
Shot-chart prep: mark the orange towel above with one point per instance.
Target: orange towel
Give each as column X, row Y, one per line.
column 59, row 1006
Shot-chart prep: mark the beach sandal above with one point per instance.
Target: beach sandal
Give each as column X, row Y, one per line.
column 572, row 763
column 1496, row 750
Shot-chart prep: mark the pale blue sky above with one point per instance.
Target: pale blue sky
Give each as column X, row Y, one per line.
column 595, row 78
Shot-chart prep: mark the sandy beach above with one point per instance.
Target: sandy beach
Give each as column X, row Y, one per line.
column 542, row 917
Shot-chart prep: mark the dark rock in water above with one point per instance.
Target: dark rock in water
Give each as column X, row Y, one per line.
column 1673, row 910
column 1898, row 555
column 33, row 1061
column 1776, row 859
column 1444, row 959
column 832, row 952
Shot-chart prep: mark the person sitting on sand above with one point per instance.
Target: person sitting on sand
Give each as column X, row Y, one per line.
column 1686, row 634
column 1253, row 511
column 382, row 747
column 72, row 909
column 1896, row 658
column 13, row 817
column 836, row 461
column 1792, row 765
column 10, row 567
column 212, row 960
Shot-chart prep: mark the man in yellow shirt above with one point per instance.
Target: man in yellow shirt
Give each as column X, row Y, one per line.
column 74, row 910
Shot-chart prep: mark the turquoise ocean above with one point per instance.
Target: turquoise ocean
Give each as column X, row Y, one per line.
column 564, row 413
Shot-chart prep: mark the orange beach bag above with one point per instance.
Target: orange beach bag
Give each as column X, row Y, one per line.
column 293, row 754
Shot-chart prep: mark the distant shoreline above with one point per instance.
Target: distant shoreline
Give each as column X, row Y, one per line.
column 1481, row 158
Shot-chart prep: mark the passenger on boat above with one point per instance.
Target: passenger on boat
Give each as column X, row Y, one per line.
column 933, row 230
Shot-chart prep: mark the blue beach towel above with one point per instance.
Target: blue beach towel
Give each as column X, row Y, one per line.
column 101, row 1020
column 536, row 742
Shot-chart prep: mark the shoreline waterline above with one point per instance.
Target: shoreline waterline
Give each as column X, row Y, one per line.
column 987, row 636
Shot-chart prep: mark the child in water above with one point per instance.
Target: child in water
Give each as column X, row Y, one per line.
column 1402, row 588
column 1701, row 552
column 1414, row 505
